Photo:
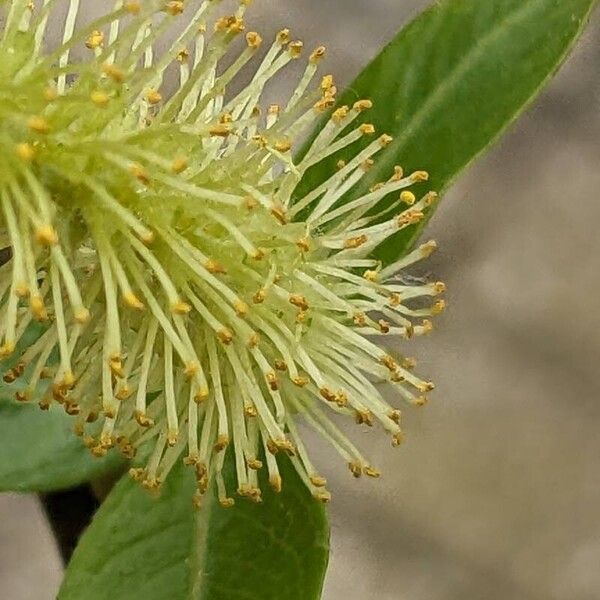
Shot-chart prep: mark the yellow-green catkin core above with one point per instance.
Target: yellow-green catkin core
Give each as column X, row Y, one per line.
column 193, row 303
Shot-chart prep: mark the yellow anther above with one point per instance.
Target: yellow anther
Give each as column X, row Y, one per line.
column 356, row 468
column 220, row 130
column 295, row 48
column 225, row 336
column 389, row 362
column 397, row 439
column 100, row 98
column 191, row 369
column 280, row 214
column 395, row 416
column 236, row 26
column 327, row 83
column 114, row 72
column 341, row 399
column 427, row 326
column 116, row 365
column 46, row 235
column 99, row 451
column 360, row 319
column 147, row 237
column 174, row 7
column 300, row 381
column 317, row 480
column 153, row 96
column 139, row 173
column 259, row 140
column 410, row 217
column 364, row 417
column 428, row 248
column 231, row 24
column 124, row 393
column 94, row 40
column 250, row 411
column 317, row 54
column 260, row 296
column 276, row 483
column 322, row 496
column 283, row 37
column 398, row 173
column 340, row 164
column 221, row 443
column 137, row 473
column 285, row 445
column 253, row 340
column 324, row 104
column 227, row 502
column 327, row 394
column 38, row 125
column 25, row 151
column 36, row 303
column 172, row 437
column 407, row 197
column 283, row 146
column 22, row 396
column 241, row 308
column 367, row 129
column 214, row 267
column 426, row 386
column 272, row 381
column 419, row 176
column 303, row 244
column 254, row 464
column 372, row 276
column 253, row 39
column 133, row 7
column 366, row 165
column 82, row 315
column 133, row 301
column 183, row 55
column 180, row 308
column 299, row 301
column 430, row 198
column 179, row 165
column 385, row 140
column 191, row 460
column 280, row 365
column 362, row 105
column 384, row 326
column 372, row 472
column 356, row 242
column 201, row 395
column 439, row 307
column 439, row 287
column 340, row 114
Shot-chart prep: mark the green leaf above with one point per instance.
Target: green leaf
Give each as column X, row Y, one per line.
column 146, row 548
column 452, row 81
column 40, row 453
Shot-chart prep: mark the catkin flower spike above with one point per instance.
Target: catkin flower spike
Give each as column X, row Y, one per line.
column 195, row 303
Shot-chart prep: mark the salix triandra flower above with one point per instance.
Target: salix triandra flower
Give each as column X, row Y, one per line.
column 192, row 302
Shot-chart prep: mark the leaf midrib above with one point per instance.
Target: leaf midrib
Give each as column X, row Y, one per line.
column 471, row 58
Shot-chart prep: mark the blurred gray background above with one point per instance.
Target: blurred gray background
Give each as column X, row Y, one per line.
column 496, row 494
